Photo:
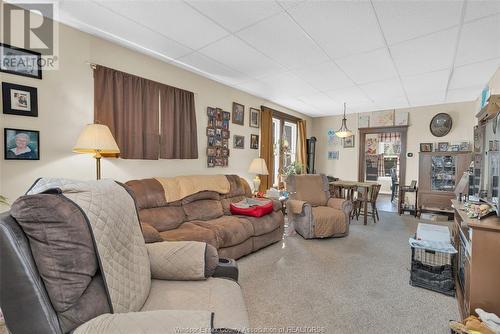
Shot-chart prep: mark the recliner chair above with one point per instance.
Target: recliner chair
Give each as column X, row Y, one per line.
column 311, row 209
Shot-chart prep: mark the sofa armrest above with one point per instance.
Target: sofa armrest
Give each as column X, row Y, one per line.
column 295, row 206
column 227, row 268
column 159, row 321
column 340, row 204
column 277, row 205
column 182, row 260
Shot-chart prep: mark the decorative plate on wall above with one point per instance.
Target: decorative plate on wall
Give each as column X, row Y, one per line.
column 441, row 124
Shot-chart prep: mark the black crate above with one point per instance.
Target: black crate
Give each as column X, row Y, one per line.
column 439, row 278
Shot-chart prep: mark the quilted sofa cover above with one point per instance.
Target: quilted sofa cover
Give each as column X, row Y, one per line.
column 206, row 216
column 135, row 276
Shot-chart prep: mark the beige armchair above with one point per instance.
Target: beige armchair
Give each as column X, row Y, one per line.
column 312, row 211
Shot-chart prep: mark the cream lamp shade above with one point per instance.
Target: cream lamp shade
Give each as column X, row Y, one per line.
column 258, row 166
column 98, row 140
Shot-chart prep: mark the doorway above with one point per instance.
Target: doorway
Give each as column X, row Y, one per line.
column 382, row 159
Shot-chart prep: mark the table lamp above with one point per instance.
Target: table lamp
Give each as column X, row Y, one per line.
column 258, row 166
column 98, row 140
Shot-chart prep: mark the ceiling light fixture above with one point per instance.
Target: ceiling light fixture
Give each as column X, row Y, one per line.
column 343, row 132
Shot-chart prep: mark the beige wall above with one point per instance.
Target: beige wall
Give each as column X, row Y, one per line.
column 66, row 105
column 418, row 132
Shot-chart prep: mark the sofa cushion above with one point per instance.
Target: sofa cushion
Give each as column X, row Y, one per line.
column 310, row 188
column 204, row 209
column 150, row 233
column 63, row 250
column 199, row 196
column 328, row 221
column 148, row 193
column 163, row 218
column 265, row 224
column 229, row 230
column 221, row 296
column 226, row 203
column 191, row 232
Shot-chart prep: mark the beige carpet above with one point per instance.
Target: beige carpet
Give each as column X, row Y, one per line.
column 357, row 284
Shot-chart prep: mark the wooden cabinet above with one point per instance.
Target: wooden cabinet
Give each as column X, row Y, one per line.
column 477, row 262
column 438, row 175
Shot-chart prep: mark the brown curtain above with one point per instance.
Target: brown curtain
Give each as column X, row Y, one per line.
column 266, row 147
column 302, row 145
column 179, row 139
column 129, row 106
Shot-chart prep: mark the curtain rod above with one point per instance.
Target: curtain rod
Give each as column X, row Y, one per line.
column 94, row 66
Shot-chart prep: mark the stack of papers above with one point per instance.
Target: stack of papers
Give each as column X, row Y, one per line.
column 433, row 237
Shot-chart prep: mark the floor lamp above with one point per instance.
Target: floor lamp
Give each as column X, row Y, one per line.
column 96, row 139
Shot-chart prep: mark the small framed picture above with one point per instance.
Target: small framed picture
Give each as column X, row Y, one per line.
column 210, row 112
column 225, row 152
column 19, row 100
column 20, row 61
column 225, row 134
column 238, row 113
column 218, row 152
column 218, row 133
column 218, row 114
column 217, row 141
column 225, row 161
column 455, row 148
column 211, row 151
column 225, row 143
column 210, row 132
column 21, row 144
column 211, row 122
column 254, row 118
column 226, row 115
column 210, row 162
column 443, row 146
column 219, row 162
column 349, row 142
column 426, row 147
column 211, row 141
column 238, row 142
column 225, row 124
column 254, row 142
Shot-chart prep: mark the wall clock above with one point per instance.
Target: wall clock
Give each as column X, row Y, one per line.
column 441, row 124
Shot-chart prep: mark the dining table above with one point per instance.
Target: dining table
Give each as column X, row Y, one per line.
column 346, row 189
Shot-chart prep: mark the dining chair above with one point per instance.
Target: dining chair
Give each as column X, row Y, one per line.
column 369, row 196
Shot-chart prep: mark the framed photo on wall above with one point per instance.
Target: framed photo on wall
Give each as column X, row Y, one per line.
column 238, row 114
column 20, row 61
column 19, row 100
column 426, row 147
column 254, row 142
column 21, row 144
column 254, row 118
column 349, row 142
column 239, row 142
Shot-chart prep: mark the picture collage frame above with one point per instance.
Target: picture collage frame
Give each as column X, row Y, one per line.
column 218, row 137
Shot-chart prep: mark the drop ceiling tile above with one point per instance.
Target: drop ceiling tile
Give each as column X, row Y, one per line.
column 426, row 100
column 480, row 8
column 174, row 19
column 99, row 21
column 383, row 90
column 391, row 103
column 255, row 87
column 235, row 15
column 282, row 40
column 325, row 76
column 368, row 67
column 425, row 54
column 320, row 101
column 342, row 28
column 464, row 94
column 353, row 96
column 289, row 4
column 289, row 83
column 208, row 67
column 480, row 40
column 403, row 20
column 422, row 84
column 477, row 74
column 237, row 55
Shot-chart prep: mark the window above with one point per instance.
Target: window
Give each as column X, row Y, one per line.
column 284, row 143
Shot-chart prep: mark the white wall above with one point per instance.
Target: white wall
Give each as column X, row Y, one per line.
column 66, row 104
column 418, row 132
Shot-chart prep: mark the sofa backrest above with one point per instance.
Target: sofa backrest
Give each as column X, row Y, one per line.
column 154, row 209
column 312, row 188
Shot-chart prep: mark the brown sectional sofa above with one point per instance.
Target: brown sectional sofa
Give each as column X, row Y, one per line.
column 205, row 216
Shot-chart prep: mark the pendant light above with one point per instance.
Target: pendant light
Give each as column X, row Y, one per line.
column 343, row 132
